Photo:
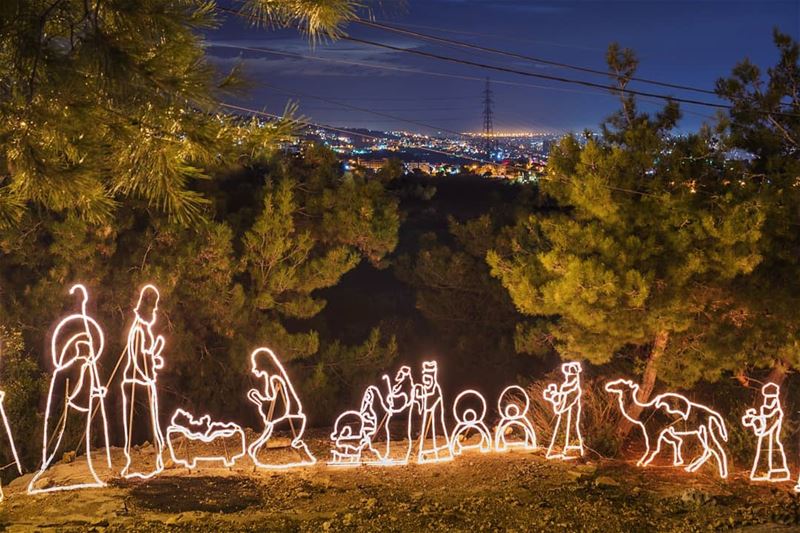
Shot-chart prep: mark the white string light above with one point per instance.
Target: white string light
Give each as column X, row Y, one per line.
column 469, row 420
column 183, row 424
column 514, row 417
column 349, row 438
column 566, row 401
column 400, row 398
column 141, row 374
column 81, row 350
column 278, row 387
column 684, row 418
column 767, row 423
column 10, row 436
column 434, row 442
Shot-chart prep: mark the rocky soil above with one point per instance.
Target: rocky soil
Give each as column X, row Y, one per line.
column 477, row 492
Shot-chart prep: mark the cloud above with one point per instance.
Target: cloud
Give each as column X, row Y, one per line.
column 295, row 57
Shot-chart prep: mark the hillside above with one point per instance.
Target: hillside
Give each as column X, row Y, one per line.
column 514, row 491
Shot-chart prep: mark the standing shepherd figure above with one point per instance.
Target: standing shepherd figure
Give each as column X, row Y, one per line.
column 770, row 461
column 277, row 405
column 566, row 401
column 75, row 347
column 434, row 440
column 143, row 360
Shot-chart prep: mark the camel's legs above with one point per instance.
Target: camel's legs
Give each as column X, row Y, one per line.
column 702, row 435
column 719, row 454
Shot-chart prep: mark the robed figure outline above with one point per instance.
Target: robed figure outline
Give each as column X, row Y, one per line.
column 142, row 363
column 434, row 439
column 566, row 401
column 277, row 404
column 769, row 463
column 75, row 347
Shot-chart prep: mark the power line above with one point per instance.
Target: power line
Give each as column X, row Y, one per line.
column 462, row 44
column 537, row 75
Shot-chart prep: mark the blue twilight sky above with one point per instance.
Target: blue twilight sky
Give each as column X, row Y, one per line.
column 691, row 42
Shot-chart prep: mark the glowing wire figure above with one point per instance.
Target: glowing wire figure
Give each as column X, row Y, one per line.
column 75, row 347
column 350, row 438
column 10, row 436
column 399, row 400
column 566, row 402
column 143, row 360
column 469, row 419
column 671, row 417
column 278, row 391
column 184, row 425
column 434, row 442
column 514, row 417
column 770, row 461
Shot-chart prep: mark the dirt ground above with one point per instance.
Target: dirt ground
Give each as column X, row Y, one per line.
column 518, row 491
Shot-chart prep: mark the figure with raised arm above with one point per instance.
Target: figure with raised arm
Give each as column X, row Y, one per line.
column 279, row 407
column 75, row 390
column 566, row 442
column 139, row 377
column 434, row 440
column 770, row 461
column 399, row 400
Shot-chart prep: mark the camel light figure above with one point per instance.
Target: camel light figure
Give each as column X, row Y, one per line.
column 277, row 404
column 468, row 419
column 514, row 417
column 183, row 424
column 566, row 401
column 75, row 346
column 770, row 460
column 143, row 361
column 698, row 421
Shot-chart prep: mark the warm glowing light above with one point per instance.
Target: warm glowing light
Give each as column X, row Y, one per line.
column 350, row 439
column 566, row 402
column 10, row 436
column 278, row 404
column 514, row 417
column 684, row 418
column 227, row 434
column 399, row 399
column 143, row 360
column 770, row 460
column 434, row 443
column 469, row 420
column 75, row 347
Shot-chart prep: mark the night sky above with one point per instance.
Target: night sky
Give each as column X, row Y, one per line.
column 689, row 42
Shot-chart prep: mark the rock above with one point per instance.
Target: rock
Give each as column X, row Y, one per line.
column 68, row 457
column 574, row 475
column 43, row 483
column 303, row 494
column 606, row 482
column 347, row 519
column 370, row 503
column 417, row 495
column 589, row 470
column 694, row 496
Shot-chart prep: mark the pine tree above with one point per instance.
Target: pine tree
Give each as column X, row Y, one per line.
column 650, row 228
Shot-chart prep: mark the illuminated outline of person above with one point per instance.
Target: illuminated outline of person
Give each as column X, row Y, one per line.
column 566, row 401
column 10, row 439
column 82, row 348
column 400, row 398
column 468, row 419
column 428, row 396
column 512, row 416
column 277, row 388
column 371, row 402
column 766, row 424
column 143, row 360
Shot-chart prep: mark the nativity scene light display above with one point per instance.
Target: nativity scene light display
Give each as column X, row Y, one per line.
column 381, row 432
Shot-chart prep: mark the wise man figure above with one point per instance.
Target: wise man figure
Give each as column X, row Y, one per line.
column 400, row 399
column 143, row 360
column 433, row 438
column 566, row 442
column 770, row 460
